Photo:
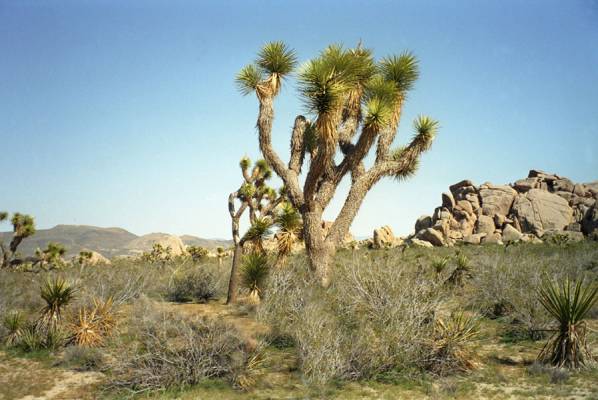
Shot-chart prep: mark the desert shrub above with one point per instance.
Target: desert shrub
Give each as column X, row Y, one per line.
column 376, row 317
column 165, row 350
column 193, row 285
column 83, row 358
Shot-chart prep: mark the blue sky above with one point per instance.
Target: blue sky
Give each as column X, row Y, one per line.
column 125, row 113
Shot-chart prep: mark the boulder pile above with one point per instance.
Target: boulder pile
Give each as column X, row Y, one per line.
column 531, row 209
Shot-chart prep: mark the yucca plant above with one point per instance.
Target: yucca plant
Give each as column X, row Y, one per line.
column 57, row 293
column 569, row 303
column 439, row 264
column 14, row 323
column 92, row 325
column 453, row 337
column 86, row 331
column 461, row 271
column 31, row 339
column 259, row 231
column 289, row 223
column 254, row 271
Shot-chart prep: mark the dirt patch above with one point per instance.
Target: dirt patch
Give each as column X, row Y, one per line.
column 26, row 379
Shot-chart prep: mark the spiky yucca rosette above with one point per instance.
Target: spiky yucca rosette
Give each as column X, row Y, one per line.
column 569, row 303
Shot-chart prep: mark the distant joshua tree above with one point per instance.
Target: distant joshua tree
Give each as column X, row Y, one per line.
column 351, row 96
column 23, row 227
column 52, row 255
column 255, row 196
column 197, row 252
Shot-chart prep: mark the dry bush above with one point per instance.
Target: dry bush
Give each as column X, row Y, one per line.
column 376, row 317
column 197, row 284
column 165, row 350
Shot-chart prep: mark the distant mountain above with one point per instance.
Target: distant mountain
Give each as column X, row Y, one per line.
column 109, row 242
column 207, row 243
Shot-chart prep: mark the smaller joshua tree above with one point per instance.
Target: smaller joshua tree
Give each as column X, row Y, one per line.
column 23, row 227
column 255, row 196
column 197, row 253
column 52, row 255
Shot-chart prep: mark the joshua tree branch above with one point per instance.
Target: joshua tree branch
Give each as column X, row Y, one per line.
column 402, row 167
column 387, row 136
column 264, row 124
column 297, row 145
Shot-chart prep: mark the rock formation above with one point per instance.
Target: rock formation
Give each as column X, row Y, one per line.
column 539, row 206
column 145, row 243
column 385, row 238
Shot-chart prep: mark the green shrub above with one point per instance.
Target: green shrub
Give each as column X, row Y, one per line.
column 195, row 285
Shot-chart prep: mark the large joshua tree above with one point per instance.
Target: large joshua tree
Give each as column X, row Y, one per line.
column 254, row 195
column 23, row 227
column 356, row 104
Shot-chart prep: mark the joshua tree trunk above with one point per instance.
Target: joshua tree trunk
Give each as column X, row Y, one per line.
column 233, row 282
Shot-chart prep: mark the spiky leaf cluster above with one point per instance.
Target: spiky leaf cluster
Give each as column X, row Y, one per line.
column 23, row 225
column 259, row 230
column 254, row 271
column 275, row 61
column 402, row 70
column 57, row 294
column 325, row 81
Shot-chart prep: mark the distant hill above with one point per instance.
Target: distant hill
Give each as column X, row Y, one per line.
column 109, row 242
column 207, row 243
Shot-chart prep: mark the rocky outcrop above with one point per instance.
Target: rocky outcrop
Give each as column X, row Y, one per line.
column 539, row 210
column 145, row 243
column 540, row 206
column 98, row 259
column 385, row 238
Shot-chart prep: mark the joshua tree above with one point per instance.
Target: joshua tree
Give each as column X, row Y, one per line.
column 260, row 200
column 23, row 227
column 220, row 253
column 197, row 252
column 52, row 254
column 356, row 104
